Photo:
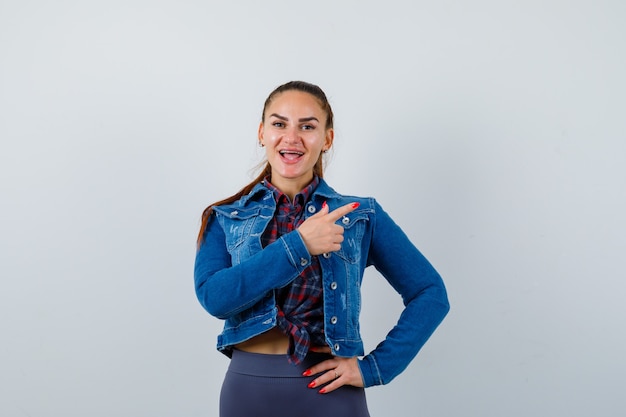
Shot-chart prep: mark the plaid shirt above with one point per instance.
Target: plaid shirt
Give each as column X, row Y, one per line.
column 300, row 304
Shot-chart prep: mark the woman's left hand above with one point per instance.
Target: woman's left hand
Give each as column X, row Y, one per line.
column 336, row 372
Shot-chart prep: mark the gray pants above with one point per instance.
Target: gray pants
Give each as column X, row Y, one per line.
column 258, row 385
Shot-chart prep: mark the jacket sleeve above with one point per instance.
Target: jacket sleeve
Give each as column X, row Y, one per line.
column 225, row 290
column 423, row 294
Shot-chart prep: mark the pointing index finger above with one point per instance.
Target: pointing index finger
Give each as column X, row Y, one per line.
column 342, row 211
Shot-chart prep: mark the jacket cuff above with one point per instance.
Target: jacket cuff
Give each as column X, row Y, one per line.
column 296, row 250
column 369, row 371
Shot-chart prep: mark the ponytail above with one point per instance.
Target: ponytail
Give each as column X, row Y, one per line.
column 206, row 214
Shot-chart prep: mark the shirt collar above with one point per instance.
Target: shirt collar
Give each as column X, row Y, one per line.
column 299, row 199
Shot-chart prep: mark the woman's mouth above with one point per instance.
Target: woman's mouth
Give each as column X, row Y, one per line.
column 290, row 156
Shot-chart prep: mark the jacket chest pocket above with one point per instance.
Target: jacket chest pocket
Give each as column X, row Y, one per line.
column 238, row 225
column 354, row 227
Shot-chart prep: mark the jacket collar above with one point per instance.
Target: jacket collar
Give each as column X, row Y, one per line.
column 262, row 192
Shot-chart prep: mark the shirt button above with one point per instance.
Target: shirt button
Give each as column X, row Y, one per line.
column 326, row 255
column 311, row 209
column 303, row 261
column 337, row 347
column 345, row 220
column 333, row 285
column 333, row 320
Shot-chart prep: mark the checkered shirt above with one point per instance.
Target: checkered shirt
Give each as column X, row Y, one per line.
column 300, row 304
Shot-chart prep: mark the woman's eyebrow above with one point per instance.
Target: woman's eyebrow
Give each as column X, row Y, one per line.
column 278, row 116
column 301, row 120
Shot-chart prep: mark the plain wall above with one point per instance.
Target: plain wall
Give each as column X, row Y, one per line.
column 493, row 132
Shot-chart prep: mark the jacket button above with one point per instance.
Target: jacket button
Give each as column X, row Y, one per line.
column 345, row 220
column 333, row 285
column 311, row 208
column 333, row 320
column 326, row 255
column 303, row 261
column 337, row 347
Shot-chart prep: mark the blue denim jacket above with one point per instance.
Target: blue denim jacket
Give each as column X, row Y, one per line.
column 235, row 278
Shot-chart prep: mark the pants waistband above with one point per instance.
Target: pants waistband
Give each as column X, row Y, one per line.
column 259, row 364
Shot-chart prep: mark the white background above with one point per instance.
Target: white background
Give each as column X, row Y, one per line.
column 494, row 132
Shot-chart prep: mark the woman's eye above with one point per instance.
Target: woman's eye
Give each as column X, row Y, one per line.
column 278, row 124
column 308, row 127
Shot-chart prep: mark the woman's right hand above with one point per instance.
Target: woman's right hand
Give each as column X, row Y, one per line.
column 320, row 233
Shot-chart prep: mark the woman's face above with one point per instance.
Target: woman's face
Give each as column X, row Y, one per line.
column 294, row 134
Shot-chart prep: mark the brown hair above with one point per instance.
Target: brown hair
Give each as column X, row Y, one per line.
column 318, row 169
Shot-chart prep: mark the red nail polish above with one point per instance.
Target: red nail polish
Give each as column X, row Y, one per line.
column 312, row 385
column 355, row 205
column 322, row 391
column 324, row 205
column 306, row 373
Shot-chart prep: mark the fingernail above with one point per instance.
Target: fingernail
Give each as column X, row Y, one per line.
column 306, row 373
column 355, row 205
column 312, row 385
column 324, row 205
column 322, row 391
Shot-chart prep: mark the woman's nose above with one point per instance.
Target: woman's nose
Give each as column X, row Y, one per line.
column 292, row 135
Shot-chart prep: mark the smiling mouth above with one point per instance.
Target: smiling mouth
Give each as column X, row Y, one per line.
column 290, row 155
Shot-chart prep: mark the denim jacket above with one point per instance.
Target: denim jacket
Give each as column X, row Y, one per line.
column 235, row 278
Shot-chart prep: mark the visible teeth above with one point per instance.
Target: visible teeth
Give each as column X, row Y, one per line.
column 291, row 152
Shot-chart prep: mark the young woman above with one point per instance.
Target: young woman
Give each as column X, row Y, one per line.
column 282, row 261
